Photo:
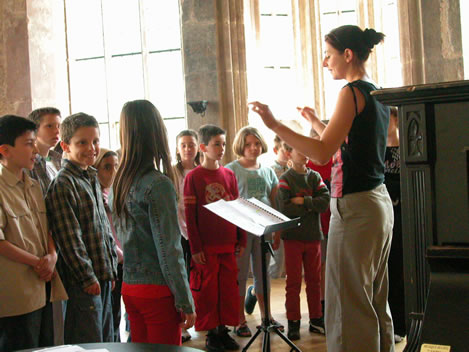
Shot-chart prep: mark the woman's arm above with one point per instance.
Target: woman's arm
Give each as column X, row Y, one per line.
column 333, row 135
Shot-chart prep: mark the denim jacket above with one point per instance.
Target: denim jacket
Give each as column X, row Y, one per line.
column 151, row 237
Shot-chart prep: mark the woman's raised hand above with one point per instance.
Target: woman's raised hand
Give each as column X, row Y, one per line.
column 264, row 112
column 308, row 113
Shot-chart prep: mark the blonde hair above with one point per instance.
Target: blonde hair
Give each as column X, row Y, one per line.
column 144, row 142
column 240, row 140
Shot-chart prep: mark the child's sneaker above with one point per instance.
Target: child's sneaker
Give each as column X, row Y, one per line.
column 185, row 336
column 213, row 342
column 294, row 330
column 317, row 325
column 226, row 340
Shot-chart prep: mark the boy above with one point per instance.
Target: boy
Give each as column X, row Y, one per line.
column 46, row 166
column 82, row 232
column 276, row 267
column 47, row 162
column 280, row 163
column 28, row 281
column 302, row 193
column 214, row 242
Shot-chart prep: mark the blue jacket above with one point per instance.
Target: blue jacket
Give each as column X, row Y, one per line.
column 151, row 238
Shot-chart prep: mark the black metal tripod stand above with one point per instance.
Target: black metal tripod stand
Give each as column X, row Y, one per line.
column 267, row 326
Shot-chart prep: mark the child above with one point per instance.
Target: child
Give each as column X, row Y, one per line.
column 302, row 193
column 83, row 234
column 280, row 163
column 48, row 161
column 214, row 242
column 46, row 166
column 260, row 182
column 106, row 167
column 277, row 264
column 188, row 157
column 325, row 172
column 28, row 280
column 155, row 288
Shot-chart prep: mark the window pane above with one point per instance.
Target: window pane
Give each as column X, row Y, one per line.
column 328, row 6
column 122, row 21
column 162, row 24
column 166, row 83
column 88, row 88
column 104, row 135
column 278, row 91
column 84, row 28
column 276, row 40
column 349, row 17
column 275, row 6
column 329, row 22
column 126, row 82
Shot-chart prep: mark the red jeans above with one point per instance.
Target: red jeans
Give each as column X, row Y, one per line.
column 308, row 255
column 153, row 320
column 214, row 287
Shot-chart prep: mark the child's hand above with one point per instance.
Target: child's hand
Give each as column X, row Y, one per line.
column 239, row 251
column 308, row 113
column 298, row 200
column 276, row 244
column 199, row 258
column 46, row 266
column 94, row 289
column 188, row 320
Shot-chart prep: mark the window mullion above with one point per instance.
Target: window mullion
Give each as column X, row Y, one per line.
column 108, row 73
column 145, row 50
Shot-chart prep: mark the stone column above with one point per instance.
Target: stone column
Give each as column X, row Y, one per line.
column 47, row 55
column 431, row 43
column 215, row 64
column 15, row 85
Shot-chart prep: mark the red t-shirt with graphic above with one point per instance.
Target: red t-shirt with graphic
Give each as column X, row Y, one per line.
column 207, row 231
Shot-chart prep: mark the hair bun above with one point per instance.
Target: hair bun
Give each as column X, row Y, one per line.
column 372, row 37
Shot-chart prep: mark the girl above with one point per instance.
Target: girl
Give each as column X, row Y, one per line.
column 155, row 288
column 106, row 166
column 188, row 157
column 360, row 232
column 260, row 182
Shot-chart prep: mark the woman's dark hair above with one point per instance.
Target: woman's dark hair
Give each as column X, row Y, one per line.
column 354, row 38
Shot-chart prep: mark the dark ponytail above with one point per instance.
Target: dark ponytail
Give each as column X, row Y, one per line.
column 353, row 38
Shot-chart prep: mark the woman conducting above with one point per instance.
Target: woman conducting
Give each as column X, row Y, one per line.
column 357, row 313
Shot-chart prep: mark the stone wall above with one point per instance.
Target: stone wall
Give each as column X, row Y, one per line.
column 15, row 87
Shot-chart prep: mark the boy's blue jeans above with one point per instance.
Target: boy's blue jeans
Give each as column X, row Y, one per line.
column 88, row 318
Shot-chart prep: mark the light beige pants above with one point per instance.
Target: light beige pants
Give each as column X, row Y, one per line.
column 358, row 318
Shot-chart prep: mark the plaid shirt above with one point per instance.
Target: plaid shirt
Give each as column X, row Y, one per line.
column 45, row 169
column 80, row 226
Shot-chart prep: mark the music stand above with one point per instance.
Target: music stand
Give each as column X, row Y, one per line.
column 267, row 326
column 246, row 213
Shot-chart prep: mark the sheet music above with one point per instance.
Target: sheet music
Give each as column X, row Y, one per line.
column 247, row 214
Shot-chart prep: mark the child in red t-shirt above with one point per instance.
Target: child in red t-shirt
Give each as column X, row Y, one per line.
column 214, row 242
